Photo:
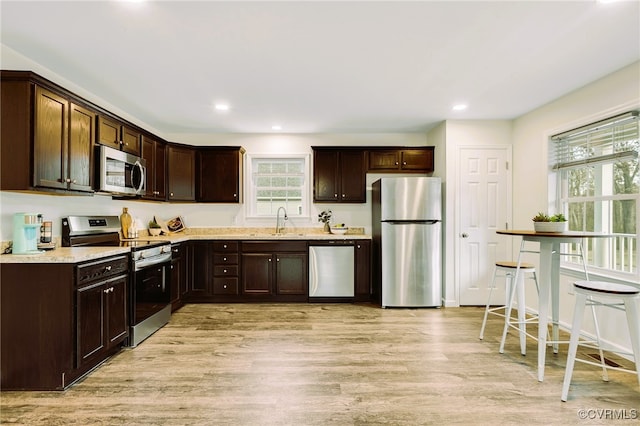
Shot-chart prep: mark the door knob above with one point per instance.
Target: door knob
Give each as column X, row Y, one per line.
column 464, row 235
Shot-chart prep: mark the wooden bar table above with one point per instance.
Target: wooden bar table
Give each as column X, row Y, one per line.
column 549, row 280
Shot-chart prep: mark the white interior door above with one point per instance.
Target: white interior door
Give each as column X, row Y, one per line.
column 484, row 205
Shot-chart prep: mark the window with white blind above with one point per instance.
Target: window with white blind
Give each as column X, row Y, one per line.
column 276, row 182
column 598, row 182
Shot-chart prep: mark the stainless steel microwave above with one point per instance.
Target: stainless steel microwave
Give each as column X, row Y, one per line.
column 120, row 172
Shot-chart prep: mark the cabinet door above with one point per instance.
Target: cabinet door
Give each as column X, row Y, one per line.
column 148, row 154
column 325, row 175
column 291, row 273
column 257, row 269
column 218, row 176
column 417, row 159
column 51, row 135
column 181, row 173
column 352, row 177
column 363, row 270
column 184, row 273
column 160, row 170
column 383, row 160
column 90, row 308
column 201, row 264
column 116, row 323
column 175, row 282
column 130, row 140
column 108, row 132
column 154, row 154
column 179, row 275
column 81, row 139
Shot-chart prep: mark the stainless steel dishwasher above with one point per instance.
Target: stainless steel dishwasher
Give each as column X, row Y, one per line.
column 331, row 269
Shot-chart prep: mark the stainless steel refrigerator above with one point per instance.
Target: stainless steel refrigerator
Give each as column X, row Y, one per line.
column 407, row 241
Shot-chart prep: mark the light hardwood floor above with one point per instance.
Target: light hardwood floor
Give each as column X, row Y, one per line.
column 321, row 364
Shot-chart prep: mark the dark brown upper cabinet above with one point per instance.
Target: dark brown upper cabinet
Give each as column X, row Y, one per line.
column 118, row 136
column 154, row 153
column 339, row 175
column 418, row 160
column 47, row 138
column 219, row 174
column 181, row 161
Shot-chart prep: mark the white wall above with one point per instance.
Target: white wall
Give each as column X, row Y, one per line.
column 613, row 94
column 55, row 207
column 448, row 138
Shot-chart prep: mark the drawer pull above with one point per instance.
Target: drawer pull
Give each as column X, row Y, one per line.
column 108, row 268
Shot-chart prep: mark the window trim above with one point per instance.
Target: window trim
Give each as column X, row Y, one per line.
column 250, row 190
column 558, row 180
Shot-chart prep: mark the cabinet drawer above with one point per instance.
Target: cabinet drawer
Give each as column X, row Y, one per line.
column 225, row 259
column 225, row 270
column 225, row 246
column 225, row 285
column 101, row 269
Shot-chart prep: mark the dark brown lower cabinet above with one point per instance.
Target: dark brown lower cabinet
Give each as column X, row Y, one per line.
column 58, row 321
column 200, row 261
column 363, row 270
column 274, row 271
column 262, row 271
column 102, row 319
column 248, row 271
column 274, row 274
column 179, row 275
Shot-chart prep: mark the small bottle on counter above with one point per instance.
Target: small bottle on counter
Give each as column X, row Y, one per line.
column 125, row 222
column 133, row 232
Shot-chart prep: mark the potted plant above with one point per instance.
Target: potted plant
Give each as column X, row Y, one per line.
column 325, row 217
column 154, row 228
column 545, row 223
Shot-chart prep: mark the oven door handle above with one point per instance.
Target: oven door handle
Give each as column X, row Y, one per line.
column 151, row 261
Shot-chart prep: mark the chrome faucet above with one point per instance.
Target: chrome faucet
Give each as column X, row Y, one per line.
column 280, row 229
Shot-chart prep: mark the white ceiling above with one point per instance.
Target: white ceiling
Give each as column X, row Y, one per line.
column 339, row 67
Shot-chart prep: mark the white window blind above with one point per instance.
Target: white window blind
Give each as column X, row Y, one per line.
column 598, row 189
column 607, row 141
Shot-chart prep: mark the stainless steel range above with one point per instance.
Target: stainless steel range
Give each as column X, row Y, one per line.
column 150, row 279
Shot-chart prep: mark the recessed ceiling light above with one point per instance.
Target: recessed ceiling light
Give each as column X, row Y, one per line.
column 276, row 127
column 221, row 107
column 459, row 107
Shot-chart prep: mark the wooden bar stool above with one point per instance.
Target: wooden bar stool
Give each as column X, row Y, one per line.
column 507, row 270
column 618, row 296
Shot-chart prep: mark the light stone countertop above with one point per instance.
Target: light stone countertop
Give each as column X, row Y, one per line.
column 81, row 254
column 65, row 255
